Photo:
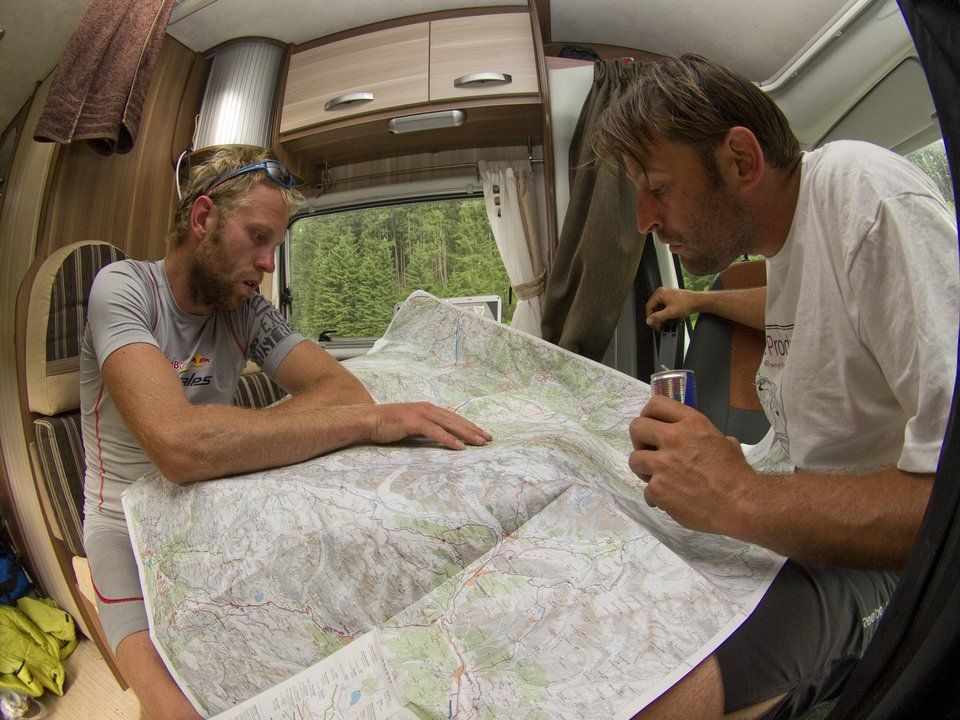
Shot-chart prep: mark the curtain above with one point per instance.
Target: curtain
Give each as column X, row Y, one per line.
column 599, row 248
column 508, row 196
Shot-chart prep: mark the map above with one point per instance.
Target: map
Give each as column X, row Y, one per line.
column 523, row 579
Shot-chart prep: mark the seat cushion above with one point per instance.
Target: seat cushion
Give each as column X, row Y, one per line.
column 62, row 468
column 256, row 390
column 56, row 316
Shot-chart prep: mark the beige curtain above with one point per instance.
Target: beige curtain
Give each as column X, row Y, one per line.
column 508, row 195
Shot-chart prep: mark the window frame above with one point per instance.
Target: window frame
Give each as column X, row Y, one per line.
column 452, row 188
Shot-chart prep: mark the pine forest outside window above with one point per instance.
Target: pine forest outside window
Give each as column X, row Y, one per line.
column 348, row 269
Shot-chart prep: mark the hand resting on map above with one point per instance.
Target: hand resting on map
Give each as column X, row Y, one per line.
column 391, row 423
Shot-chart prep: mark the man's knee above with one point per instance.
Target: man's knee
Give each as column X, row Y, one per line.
column 160, row 697
column 698, row 694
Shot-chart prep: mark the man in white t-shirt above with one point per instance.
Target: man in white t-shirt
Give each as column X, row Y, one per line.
column 164, row 347
column 860, row 317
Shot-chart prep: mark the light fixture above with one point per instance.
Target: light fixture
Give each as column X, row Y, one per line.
column 426, row 121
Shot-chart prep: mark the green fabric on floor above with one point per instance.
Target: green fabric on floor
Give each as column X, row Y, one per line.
column 35, row 637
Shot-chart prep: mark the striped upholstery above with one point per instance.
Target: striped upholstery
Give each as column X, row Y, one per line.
column 69, row 297
column 257, row 390
column 56, row 316
column 62, row 467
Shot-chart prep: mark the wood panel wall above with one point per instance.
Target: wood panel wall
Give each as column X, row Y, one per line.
column 56, row 195
column 20, row 220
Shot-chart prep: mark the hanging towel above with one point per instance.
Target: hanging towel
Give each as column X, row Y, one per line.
column 101, row 81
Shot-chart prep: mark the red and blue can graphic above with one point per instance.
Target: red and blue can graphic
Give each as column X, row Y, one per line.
column 679, row 385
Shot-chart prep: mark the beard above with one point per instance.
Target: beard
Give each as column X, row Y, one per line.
column 210, row 274
column 722, row 231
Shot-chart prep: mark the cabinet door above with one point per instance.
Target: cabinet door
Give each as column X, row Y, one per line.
column 470, row 55
column 334, row 81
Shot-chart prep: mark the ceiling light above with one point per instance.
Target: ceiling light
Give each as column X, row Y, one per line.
column 427, row 121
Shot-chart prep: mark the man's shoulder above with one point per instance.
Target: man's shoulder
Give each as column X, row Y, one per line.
column 869, row 165
column 862, row 169
column 255, row 306
column 125, row 272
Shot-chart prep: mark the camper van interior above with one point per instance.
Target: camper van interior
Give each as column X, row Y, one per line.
column 440, row 146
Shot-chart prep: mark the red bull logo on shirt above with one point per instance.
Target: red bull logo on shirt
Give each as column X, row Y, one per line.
column 196, row 362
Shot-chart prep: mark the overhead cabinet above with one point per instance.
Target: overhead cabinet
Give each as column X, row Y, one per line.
column 361, row 74
column 484, row 64
column 482, row 56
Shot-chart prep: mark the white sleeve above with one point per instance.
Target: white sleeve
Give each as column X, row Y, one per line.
column 907, row 271
column 121, row 309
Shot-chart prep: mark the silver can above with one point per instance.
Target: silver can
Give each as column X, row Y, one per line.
column 679, row 385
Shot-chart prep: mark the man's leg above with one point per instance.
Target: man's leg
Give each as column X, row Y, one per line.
column 700, row 695
column 795, row 650
column 123, row 616
column 143, row 669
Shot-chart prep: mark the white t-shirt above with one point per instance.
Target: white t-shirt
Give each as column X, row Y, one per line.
column 861, row 316
column 131, row 302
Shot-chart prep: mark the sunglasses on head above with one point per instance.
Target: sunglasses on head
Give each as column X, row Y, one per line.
column 275, row 171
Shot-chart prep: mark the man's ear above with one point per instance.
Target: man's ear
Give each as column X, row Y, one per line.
column 203, row 216
column 740, row 158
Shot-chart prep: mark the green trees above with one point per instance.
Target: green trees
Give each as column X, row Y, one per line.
column 932, row 159
column 347, row 270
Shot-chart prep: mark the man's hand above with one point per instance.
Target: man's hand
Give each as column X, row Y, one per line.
column 694, row 473
column 396, row 422
column 669, row 304
column 744, row 306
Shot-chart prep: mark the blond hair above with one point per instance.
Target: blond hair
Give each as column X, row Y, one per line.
column 228, row 196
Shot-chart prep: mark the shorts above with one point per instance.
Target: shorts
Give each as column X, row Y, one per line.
column 113, row 568
column 804, row 638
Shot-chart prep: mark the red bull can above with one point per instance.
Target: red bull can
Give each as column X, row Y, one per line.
column 679, row 385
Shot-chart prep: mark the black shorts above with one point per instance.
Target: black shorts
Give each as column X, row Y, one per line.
column 804, row 638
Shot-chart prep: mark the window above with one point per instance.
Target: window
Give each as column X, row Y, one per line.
column 348, row 268
column 932, row 159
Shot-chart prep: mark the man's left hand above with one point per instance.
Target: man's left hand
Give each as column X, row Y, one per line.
column 694, row 473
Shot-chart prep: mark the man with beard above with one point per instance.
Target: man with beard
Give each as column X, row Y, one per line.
column 164, row 347
column 860, row 317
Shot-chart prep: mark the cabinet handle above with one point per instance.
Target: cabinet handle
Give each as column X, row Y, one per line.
column 481, row 79
column 348, row 99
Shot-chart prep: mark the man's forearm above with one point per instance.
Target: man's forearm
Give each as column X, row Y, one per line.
column 868, row 521
column 217, row 440
column 746, row 306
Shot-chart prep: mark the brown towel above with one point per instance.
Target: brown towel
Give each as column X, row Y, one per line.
column 101, row 81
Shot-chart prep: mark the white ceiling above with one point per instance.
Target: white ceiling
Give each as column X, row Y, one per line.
column 36, row 33
column 756, row 37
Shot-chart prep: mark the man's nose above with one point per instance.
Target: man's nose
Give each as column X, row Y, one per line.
column 266, row 261
column 648, row 218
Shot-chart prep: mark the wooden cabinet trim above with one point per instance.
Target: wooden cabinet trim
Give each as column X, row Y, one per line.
column 490, row 123
column 408, row 20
